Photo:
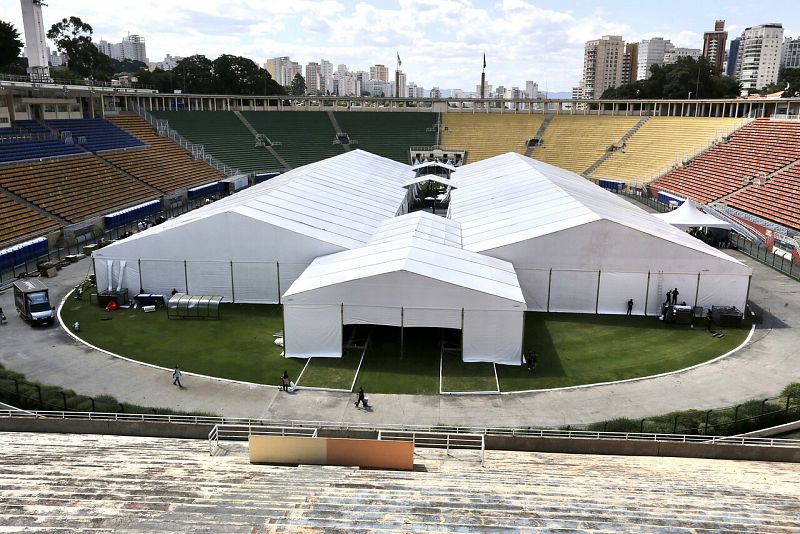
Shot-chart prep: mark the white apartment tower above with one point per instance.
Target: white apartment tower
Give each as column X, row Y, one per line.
column 326, row 76
column 283, row 70
column 602, row 65
column 652, row 52
column 760, row 52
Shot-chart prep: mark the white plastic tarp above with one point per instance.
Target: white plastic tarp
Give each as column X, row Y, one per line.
column 255, row 282
column 494, row 336
column 686, row 284
column 384, row 315
column 535, row 286
column 426, row 317
column 322, row 341
column 161, row 277
column 720, row 290
column 573, row 291
column 687, row 215
column 209, row 278
column 617, row 288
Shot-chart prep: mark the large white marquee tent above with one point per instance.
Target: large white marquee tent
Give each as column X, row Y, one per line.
column 333, row 243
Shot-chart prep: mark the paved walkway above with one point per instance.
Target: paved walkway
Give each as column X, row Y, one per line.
column 768, row 363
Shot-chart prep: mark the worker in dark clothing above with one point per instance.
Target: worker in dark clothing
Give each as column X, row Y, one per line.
column 675, row 296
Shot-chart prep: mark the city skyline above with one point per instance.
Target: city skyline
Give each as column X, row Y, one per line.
column 441, row 43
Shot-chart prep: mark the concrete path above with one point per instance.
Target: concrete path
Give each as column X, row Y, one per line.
column 762, row 369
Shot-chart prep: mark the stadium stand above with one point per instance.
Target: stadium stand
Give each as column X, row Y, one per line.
column 486, row 135
column 224, row 136
column 73, row 188
column 16, row 149
column 163, row 165
column 775, row 200
column 304, row 136
column 389, row 134
column 100, row 134
column 760, row 148
column 662, row 142
column 575, row 142
column 78, row 483
column 18, row 221
column 30, row 126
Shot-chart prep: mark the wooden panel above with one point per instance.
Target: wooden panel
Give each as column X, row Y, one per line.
column 287, row 450
column 371, row 453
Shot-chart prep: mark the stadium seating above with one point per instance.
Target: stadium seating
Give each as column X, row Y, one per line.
column 73, row 188
column 81, row 483
column 487, row 135
column 100, row 134
column 777, row 200
column 389, row 134
column 12, row 149
column 662, row 142
column 224, row 136
column 163, row 165
column 575, row 142
column 760, row 148
column 304, row 136
column 17, row 221
column 29, row 126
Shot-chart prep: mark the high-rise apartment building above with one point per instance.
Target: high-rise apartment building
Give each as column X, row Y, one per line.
column 326, row 76
column 630, row 62
column 760, row 56
column 790, row 59
column 674, row 54
column 283, row 70
column 651, row 52
column 379, row 72
column 733, row 57
column 602, row 65
column 313, row 77
column 532, row 90
column 714, row 45
column 132, row 47
column 436, row 93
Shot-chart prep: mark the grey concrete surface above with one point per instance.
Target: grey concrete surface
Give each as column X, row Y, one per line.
column 761, row 369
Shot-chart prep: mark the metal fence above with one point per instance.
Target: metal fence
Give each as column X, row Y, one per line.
column 764, row 255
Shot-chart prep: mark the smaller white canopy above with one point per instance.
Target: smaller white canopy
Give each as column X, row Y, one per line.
column 430, row 178
column 688, row 216
column 426, row 164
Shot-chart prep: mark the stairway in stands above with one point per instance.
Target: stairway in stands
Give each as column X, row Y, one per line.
column 77, row 483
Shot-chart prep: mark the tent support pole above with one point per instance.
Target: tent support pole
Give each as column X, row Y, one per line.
column 233, row 286
column 186, row 277
column 747, row 295
column 697, row 290
column 462, row 334
column 141, row 285
column 402, row 348
column 597, row 298
column 283, row 329
column 549, row 282
column 646, row 293
column 278, row 271
column 522, row 354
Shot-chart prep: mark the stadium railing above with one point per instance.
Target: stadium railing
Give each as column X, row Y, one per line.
column 242, row 432
column 297, row 426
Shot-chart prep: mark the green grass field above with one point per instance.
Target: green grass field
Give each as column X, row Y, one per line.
column 578, row 349
column 239, row 346
column 573, row 349
column 337, row 373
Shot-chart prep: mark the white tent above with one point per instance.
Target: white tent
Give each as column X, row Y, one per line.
column 688, row 216
column 251, row 246
column 579, row 248
column 413, row 274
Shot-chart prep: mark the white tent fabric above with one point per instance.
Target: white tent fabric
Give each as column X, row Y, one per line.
column 430, row 178
column 318, row 209
column 428, row 164
column 410, row 280
column 688, row 216
column 550, row 223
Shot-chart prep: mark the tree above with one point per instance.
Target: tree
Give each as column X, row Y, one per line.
column 194, row 74
column 127, row 65
column 298, row 85
column 678, row 80
column 10, row 44
column 236, row 75
column 74, row 37
column 788, row 83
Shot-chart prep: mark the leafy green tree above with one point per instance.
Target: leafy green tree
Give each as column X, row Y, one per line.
column 678, row 80
column 236, row 75
column 74, row 37
column 127, row 65
column 10, row 44
column 194, row 74
column 298, row 85
column 788, row 83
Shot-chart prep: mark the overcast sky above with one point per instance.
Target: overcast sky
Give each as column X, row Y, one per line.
column 441, row 43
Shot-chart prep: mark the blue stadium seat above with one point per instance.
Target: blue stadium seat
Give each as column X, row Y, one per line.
column 100, row 134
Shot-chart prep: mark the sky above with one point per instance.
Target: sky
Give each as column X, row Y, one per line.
column 440, row 42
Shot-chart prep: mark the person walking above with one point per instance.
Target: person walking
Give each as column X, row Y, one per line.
column 285, row 382
column 176, row 377
column 675, row 296
column 361, row 397
column 630, row 307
